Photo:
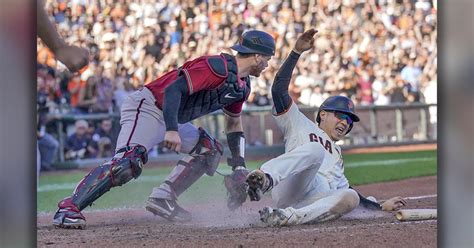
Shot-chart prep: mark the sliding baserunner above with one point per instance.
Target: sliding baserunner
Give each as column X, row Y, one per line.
column 307, row 181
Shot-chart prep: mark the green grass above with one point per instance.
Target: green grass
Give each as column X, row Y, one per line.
column 389, row 166
column 359, row 169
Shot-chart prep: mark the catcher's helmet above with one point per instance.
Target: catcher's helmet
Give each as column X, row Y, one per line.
column 254, row 41
column 340, row 104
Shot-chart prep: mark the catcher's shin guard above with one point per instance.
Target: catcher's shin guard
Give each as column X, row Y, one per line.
column 186, row 173
column 126, row 164
column 203, row 158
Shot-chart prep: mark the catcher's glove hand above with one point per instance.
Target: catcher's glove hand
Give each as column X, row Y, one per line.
column 236, row 186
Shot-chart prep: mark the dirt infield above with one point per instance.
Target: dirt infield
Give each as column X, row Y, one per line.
column 214, row 226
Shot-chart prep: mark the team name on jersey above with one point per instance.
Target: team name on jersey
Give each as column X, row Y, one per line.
column 325, row 143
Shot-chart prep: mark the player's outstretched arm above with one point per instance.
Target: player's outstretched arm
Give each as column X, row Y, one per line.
column 73, row 57
column 305, row 41
column 280, row 95
column 391, row 204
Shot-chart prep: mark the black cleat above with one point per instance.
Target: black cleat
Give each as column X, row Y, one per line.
column 68, row 215
column 168, row 209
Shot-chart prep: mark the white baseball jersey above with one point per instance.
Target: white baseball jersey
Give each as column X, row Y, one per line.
column 299, row 130
column 311, row 165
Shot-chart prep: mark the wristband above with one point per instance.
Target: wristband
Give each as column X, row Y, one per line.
column 236, row 142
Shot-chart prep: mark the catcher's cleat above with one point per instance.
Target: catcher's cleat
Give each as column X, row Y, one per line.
column 258, row 183
column 273, row 217
column 168, row 209
column 68, row 215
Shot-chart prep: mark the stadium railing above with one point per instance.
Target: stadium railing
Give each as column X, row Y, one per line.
column 395, row 124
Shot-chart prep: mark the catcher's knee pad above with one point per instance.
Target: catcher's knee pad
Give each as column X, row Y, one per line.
column 125, row 165
column 209, row 149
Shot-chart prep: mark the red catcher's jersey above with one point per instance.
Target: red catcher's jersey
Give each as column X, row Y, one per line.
column 199, row 76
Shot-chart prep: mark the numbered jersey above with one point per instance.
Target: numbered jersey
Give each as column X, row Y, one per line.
column 299, row 130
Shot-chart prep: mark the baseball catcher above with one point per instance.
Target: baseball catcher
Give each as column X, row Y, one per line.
column 161, row 112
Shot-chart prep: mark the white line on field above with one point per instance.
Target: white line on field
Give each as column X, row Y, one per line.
column 141, row 179
column 63, row 186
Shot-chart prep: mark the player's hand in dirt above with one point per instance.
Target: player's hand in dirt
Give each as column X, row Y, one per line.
column 73, row 57
column 393, row 204
column 236, row 186
column 305, row 41
column 172, row 141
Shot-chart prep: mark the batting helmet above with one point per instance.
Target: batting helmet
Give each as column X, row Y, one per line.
column 339, row 104
column 254, row 41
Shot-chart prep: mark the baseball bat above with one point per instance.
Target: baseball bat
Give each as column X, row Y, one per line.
column 416, row 214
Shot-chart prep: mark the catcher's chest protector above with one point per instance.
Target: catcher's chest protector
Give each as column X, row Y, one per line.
column 208, row 101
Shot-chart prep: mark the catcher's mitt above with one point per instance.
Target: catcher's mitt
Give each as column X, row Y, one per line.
column 236, row 186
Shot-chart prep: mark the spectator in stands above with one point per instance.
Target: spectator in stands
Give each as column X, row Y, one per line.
column 144, row 38
column 79, row 144
column 411, row 73
column 380, row 91
column 399, row 91
column 47, row 145
column 317, row 97
column 364, row 89
column 260, row 94
column 430, row 96
column 48, row 148
column 122, row 89
column 87, row 98
column 105, row 139
column 259, row 98
column 304, row 83
column 74, row 87
column 104, row 91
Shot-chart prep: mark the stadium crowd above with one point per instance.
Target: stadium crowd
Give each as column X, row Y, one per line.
column 374, row 51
